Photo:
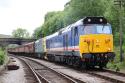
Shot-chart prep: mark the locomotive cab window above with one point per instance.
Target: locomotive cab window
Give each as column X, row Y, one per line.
column 97, row 29
column 104, row 29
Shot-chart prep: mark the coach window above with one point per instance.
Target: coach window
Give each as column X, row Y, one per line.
column 76, row 31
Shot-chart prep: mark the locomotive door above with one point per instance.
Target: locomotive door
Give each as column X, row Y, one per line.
column 65, row 42
column 74, row 37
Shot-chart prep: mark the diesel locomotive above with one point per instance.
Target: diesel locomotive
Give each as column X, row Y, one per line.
column 87, row 42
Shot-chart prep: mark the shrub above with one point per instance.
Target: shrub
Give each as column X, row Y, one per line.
column 2, row 56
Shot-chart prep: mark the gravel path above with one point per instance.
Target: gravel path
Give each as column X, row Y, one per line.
column 13, row 76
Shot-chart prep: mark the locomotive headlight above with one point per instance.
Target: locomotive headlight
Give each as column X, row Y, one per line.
column 89, row 20
column 109, row 49
column 100, row 20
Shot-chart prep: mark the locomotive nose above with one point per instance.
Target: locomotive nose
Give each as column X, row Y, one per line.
column 96, row 43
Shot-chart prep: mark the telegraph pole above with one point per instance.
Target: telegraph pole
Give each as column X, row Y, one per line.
column 120, row 4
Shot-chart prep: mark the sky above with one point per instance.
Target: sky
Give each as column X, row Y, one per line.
column 26, row 14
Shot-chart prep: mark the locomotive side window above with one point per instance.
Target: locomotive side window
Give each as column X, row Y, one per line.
column 80, row 30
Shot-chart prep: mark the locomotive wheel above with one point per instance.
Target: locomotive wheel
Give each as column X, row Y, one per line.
column 101, row 65
column 70, row 60
column 64, row 60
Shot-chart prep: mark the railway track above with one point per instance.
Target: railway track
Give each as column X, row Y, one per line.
column 78, row 79
column 110, row 76
column 45, row 74
column 31, row 74
column 115, row 77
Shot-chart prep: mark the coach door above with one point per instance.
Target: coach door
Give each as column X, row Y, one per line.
column 65, row 42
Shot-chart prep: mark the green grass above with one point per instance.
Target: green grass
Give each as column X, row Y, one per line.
column 2, row 56
column 116, row 63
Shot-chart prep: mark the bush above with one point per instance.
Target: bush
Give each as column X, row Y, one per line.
column 2, row 56
column 116, row 63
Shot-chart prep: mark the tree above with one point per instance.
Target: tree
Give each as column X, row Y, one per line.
column 20, row 33
column 52, row 23
column 38, row 33
column 79, row 9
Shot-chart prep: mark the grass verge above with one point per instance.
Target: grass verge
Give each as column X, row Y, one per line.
column 116, row 64
column 2, row 56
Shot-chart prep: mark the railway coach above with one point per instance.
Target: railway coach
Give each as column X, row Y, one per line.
column 25, row 50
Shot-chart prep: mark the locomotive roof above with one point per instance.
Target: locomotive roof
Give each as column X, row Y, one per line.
column 66, row 28
column 50, row 36
column 38, row 40
column 79, row 22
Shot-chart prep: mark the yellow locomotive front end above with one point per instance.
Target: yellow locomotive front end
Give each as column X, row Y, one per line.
column 96, row 44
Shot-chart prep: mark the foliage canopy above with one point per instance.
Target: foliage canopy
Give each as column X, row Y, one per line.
column 20, row 33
